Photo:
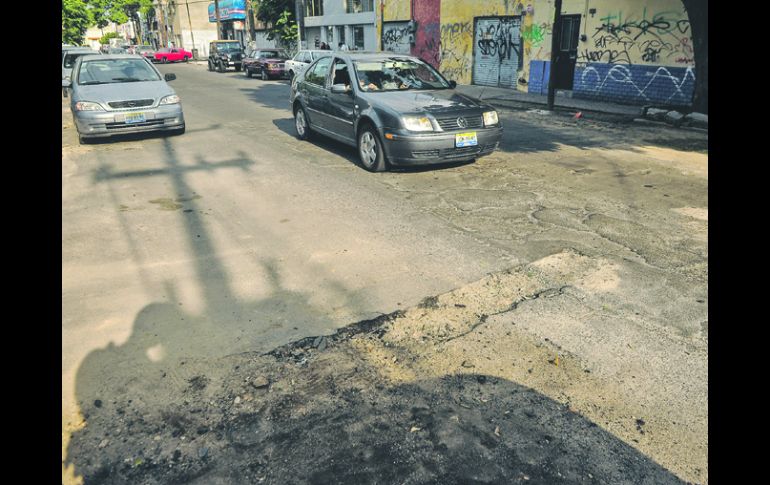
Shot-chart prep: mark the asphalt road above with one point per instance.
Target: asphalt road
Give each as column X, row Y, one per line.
column 258, row 239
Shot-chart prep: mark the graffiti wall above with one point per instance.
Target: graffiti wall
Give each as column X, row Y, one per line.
column 637, row 52
column 460, row 44
column 395, row 37
column 427, row 14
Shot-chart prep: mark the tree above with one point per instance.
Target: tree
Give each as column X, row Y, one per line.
column 278, row 16
column 75, row 20
column 105, row 39
column 698, row 13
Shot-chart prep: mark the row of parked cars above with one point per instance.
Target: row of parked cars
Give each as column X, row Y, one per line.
column 265, row 63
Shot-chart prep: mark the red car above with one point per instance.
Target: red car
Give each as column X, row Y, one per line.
column 172, row 54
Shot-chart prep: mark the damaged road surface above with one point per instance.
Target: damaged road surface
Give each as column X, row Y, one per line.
column 241, row 308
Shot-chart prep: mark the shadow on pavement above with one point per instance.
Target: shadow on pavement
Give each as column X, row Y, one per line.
column 329, row 420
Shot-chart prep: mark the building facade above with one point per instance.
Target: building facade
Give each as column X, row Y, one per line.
column 352, row 22
column 628, row 51
column 191, row 25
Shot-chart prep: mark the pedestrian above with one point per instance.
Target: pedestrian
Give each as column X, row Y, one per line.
column 343, row 46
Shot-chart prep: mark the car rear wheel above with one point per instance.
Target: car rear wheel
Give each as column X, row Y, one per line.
column 301, row 124
column 370, row 150
column 164, row 60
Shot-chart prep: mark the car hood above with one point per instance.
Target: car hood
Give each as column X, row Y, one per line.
column 104, row 93
column 433, row 101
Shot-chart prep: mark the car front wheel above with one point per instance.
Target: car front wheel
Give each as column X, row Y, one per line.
column 247, row 71
column 301, row 124
column 370, row 150
column 211, row 68
column 265, row 77
column 220, row 67
column 186, row 58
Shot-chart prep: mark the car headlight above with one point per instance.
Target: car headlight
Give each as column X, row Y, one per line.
column 88, row 106
column 171, row 99
column 490, row 118
column 417, row 123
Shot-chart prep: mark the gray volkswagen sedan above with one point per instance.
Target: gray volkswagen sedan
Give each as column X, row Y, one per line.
column 397, row 110
column 117, row 94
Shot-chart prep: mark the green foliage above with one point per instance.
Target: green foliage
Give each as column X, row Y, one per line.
column 278, row 16
column 75, row 20
column 106, row 37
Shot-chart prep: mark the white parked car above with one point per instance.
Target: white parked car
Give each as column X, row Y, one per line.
column 303, row 59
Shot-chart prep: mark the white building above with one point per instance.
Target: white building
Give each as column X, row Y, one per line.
column 333, row 21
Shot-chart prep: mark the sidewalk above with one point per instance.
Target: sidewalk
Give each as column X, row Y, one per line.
column 507, row 97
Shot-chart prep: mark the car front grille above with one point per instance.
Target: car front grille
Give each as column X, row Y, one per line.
column 455, row 153
column 118, row 126
column 451, row 124
column 134, row 103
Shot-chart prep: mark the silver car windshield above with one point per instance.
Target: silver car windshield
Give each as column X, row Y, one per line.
column 109, row 71
column 397, row 75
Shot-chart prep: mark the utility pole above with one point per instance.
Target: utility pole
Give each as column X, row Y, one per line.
column 192, row 36
column 554, row 51
column 298, row 6
column 216, row 12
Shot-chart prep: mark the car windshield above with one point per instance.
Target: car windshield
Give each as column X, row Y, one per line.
column 229, row 47
column 272, row 54
column 110, row 71
column 397, row 74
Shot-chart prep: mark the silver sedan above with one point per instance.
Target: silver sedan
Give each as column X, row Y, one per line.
column 116, row 94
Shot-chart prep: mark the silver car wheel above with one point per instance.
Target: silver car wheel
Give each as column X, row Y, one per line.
column 300, row 121
column 368, row 149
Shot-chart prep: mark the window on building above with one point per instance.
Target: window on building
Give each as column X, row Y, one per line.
column 358, row 6
column 358, row 37
column 314, row 8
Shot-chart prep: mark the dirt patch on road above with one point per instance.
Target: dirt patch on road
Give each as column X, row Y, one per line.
column 452, row 390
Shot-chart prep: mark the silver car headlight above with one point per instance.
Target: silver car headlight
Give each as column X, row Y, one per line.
column 88, row 106
column 171, row 99
column 490, row 118
column 417, row 123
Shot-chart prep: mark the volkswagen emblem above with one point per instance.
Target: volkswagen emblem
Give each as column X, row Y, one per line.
column 461, row 122
column 131, row 104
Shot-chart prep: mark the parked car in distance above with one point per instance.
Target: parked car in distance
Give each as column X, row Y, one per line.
column 117, row 94
column 172, row 54
column 396, row 109
column 117, row 50
column 224, row 54
column 69, row 56
column 302, row 59
column 146, row 51
column 268, row 63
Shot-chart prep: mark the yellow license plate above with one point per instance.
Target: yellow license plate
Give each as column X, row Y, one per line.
column 466, row 139
column 135, row 118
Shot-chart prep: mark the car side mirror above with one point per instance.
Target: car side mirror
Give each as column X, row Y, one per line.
column 170, row 76
column 341, row 89
column 452, row 84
